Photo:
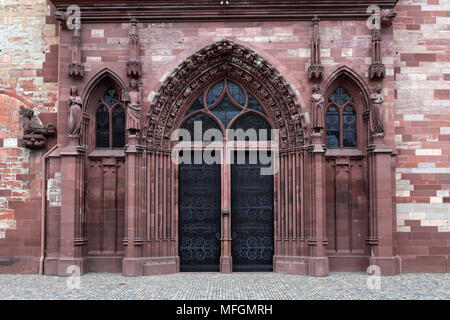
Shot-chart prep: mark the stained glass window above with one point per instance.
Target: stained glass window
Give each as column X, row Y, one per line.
column 236, row 93
column 214, row 93
column 197, row 105
column 254, row 105
column 118, row 127
column 252, row 121
column 206, row 122
column 102, row 127
column 333, row 127
column 226, row 101
column 341, row 123
column 110, row 125
column 111, row 97
column 225, row 111
column 349, row 127
column 340, row 96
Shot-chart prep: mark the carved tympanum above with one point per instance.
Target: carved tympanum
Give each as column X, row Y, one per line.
column 34, row 132
column 75, row 113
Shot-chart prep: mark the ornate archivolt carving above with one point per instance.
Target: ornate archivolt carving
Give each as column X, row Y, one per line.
column 76, row 70
column 224, row 59
column 134, row 66
column 34, row 132
column 315, row 70
column 376, row 69
column 75, row 113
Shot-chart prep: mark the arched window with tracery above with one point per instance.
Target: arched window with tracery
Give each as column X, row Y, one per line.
column 226, row 105
column 340, row 120
column 110, row 121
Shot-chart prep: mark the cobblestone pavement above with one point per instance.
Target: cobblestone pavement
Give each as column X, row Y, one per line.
column 203, row 286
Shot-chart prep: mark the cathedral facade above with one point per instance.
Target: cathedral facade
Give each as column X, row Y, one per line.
column 348, row 101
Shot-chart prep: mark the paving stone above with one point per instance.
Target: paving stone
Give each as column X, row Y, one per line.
column 207, row 286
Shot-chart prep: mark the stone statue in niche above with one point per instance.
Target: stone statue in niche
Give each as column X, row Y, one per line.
column 75, row 113
column 133, row 102
column 317, row 105
column 34, row 132
column 376, row 120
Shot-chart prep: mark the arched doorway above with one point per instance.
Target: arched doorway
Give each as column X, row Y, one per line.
column 153, row 224
column 236, row 115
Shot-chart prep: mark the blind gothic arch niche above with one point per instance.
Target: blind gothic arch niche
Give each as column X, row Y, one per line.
column 105, row 139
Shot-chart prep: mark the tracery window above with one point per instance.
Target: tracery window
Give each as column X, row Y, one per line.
column 226, row 105
column 110, row 122
column 340, row 120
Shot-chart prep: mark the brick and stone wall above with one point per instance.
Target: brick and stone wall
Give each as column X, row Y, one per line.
column 422, row 133
column 28, row 76
column 415, row 51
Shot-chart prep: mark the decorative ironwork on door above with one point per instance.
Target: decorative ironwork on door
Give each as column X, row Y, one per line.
column 251, row 216
column 199, row 217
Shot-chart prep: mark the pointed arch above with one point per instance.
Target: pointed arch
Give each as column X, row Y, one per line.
column 94, row 84
column 354, row 79
column 237, row 63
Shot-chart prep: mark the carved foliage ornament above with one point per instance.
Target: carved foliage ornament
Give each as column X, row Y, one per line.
column 219, row 60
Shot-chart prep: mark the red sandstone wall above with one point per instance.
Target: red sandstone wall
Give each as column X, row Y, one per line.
column 415, row 51
column 422, row 133
column 28, row 76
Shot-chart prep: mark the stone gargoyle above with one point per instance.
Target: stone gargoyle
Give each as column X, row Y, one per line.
column 34, row 132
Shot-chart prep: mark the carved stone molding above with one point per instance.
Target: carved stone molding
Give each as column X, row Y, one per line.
column 219, row 60
column 76, row 70
column 377, row 70
column 387, row 17
column 315, row 70
column 134, row 66
column 211, row 10
column 34, row 132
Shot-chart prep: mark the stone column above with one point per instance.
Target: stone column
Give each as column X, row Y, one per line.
column 381, row 213
column 72, row 226
column 226, row 260
column 316, row 237
column 131, row 265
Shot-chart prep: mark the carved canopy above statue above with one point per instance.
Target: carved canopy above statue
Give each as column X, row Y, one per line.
column 219, row 60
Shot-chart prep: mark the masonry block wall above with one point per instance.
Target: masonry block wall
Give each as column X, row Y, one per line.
column 415, row 50
column 28, row 76
column 422, row 133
